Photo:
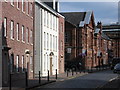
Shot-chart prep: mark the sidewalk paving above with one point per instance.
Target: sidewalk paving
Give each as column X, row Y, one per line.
column 20, row 84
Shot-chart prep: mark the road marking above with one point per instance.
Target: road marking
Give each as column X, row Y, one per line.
column 113, row 79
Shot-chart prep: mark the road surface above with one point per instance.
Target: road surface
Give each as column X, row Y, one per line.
column 92, row 80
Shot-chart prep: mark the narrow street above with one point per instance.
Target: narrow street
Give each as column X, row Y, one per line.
column 92, row 80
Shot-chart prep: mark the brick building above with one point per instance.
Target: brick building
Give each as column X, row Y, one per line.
column 61, row 44
column 102, row 46
column 113, row 32
column 79, row 32
column 17, row 39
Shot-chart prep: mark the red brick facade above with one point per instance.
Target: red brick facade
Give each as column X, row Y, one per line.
column 61, row 44
column 20, row 53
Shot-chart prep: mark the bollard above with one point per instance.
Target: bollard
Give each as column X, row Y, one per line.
column 67, row 73
column 76, row 71
column 39, row 78
column 26, row 78
column 56, row 73
column 10, row 82
column 72, row 73
column 48, row 76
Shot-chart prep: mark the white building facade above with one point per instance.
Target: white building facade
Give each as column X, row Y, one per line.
column 46, row 40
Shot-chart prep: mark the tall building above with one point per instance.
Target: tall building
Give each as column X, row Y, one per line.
column 46, row 39
column 17, row 39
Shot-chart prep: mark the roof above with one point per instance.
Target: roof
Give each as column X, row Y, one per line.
column 78, row 18
column 97, row 30
column 74, row 17
column 105, row 36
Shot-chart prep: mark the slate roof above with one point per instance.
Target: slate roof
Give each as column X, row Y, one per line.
column 74, row 17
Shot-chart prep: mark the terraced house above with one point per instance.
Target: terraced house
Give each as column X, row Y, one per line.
column 49, row 45
column 17, row 39
column 79, row 32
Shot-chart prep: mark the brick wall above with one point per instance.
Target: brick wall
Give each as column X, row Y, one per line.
column 61, row 44
column 18, row 47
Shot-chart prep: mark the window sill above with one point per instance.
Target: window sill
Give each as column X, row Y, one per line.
column 18, row 8
column 5, row 1
column 12, row 5
column 23, row 41
column 12, row 38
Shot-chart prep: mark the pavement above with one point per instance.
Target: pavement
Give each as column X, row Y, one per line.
column 32, row 83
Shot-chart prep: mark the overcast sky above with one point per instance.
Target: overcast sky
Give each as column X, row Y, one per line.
column 106, row 12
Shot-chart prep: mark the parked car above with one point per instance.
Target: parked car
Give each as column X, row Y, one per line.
column 114, row 62
column 117, row 68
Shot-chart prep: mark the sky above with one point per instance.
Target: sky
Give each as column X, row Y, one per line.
column 106, row 12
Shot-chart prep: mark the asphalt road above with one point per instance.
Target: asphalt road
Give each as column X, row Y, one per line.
column 92, row 80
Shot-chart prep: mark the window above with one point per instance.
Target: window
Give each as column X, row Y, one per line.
column 11, row 63
column 12, row 29
column 53, row 22
column 17, row 30
column 31, row 8
column 17, row 63
column 5, row 27
column 31, row 63
column 12, row 2
column 56, row 23
column 44, row 40
column 22, row 63
column 22, row 33
column 27, row 37
column 47, row 41
column 44, row 62
column 53, row 42
column 17, row 1
column 44, row 17
column 31, row 37
column 50, row 21
column 50, row 42
column 27, row 7
column 22, row 5
column 56, row 42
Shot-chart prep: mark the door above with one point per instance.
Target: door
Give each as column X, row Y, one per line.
column 5, row 67
column 27, row 64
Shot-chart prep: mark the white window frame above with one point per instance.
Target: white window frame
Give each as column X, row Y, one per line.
column 56, row 43
column 17, row 31
column 31, row 37
column 22, row 5
column 53, row 43
column 44, row 18
column 27, row 35
column 47, row 41
column 17, row 1
column 17, row 63
column 50, row 41
column 27, row 7
column 5, row 27
column 31, row 9
column 44, row 40
column 44, row 62
column 12, row 2
column 22, row 33
column 12, row 29
column 22, row 63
